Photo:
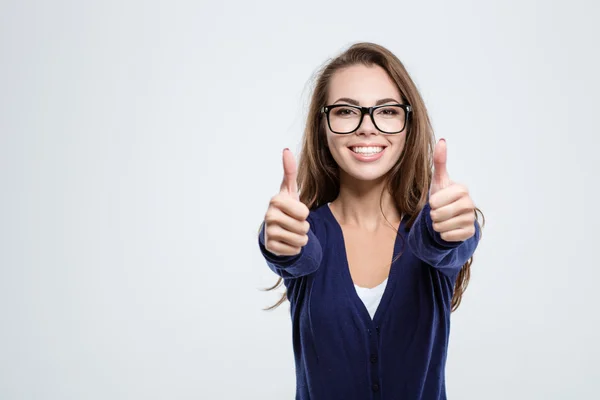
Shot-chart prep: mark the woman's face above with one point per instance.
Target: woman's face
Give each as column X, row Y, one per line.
column 366, row 154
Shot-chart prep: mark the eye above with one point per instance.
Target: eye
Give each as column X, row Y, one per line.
column 345, row 112
column 388, row 111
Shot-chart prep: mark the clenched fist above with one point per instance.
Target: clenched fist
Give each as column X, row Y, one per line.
column 286, row 227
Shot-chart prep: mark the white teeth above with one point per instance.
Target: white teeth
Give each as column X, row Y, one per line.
column 367, row 150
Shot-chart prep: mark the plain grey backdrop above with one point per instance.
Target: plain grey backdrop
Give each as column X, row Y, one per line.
column 140, row 143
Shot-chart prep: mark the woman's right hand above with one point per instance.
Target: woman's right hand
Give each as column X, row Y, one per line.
column 286, row 227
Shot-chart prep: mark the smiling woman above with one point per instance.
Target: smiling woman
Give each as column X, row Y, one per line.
column 374, row 247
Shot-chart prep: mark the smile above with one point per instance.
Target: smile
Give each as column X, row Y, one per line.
column 367, row 150
column 367, row 153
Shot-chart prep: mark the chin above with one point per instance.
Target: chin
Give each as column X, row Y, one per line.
column 366, row 173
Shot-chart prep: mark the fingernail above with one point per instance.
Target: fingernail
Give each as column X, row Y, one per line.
column 285, row 149
column 443, row 140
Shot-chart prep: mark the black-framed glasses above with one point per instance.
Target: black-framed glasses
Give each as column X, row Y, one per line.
column 387, row 118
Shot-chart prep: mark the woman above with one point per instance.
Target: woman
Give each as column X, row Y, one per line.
column 374, row 247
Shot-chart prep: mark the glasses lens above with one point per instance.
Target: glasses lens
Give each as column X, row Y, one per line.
column 344, row 119
column 390, row 118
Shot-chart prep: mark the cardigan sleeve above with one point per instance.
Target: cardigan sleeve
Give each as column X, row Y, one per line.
column 304, row 263
column 428, row 245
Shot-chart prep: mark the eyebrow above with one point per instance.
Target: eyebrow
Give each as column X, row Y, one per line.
column 356, row 102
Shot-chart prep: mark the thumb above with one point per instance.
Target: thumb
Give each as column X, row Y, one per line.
column 290, row 174
column 440, row 174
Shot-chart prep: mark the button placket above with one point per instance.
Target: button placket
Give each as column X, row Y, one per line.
column 373, row 358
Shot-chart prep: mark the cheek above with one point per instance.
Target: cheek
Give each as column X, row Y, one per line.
column 329, row 140
column 398, row 147
column 334, row 142
column 337, row 146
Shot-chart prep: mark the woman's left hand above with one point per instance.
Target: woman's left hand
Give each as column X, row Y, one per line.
column 452, row 209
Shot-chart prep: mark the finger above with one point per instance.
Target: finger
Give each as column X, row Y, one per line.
column 458, row 235
column 289, row 183
column 292, row 207
column 278, row 234
column 446, row 212
column 440, row 172
column 277, row 217
column 460, row 221
column 448, row 195
column 282, row 249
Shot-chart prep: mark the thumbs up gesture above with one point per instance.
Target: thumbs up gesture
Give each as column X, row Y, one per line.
column 452, row 209
column 286, row 227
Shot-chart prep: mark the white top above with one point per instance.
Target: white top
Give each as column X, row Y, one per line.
column 371, row 297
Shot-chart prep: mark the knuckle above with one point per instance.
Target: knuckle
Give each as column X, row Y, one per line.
column 466, row 204
column 272, row 232
column 306, row 227
column 305, row 212
column 273, row 205
column 270, row 217
column 277, row 201
column 433, row 204
column 271, row 246
column 433, row 215
column 304, row 240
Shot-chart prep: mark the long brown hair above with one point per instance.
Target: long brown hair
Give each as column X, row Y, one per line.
column 408, row 181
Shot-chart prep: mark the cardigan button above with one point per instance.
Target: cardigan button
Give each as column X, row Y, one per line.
column 373, row 358
column 375, row 387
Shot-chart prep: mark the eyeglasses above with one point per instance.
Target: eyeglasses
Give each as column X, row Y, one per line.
column 388, row 118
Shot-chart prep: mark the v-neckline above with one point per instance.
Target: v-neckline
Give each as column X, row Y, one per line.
column 349, row 283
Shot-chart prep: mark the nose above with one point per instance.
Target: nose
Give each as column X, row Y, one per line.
column 366, row 126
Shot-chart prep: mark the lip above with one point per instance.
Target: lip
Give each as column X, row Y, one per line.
column 364, row 158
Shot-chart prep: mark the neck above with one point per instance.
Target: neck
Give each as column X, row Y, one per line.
column 360, row 204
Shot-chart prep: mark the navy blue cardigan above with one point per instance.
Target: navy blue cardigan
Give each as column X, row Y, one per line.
column 340, row 352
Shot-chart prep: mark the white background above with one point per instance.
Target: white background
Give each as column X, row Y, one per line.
column 141, row 141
